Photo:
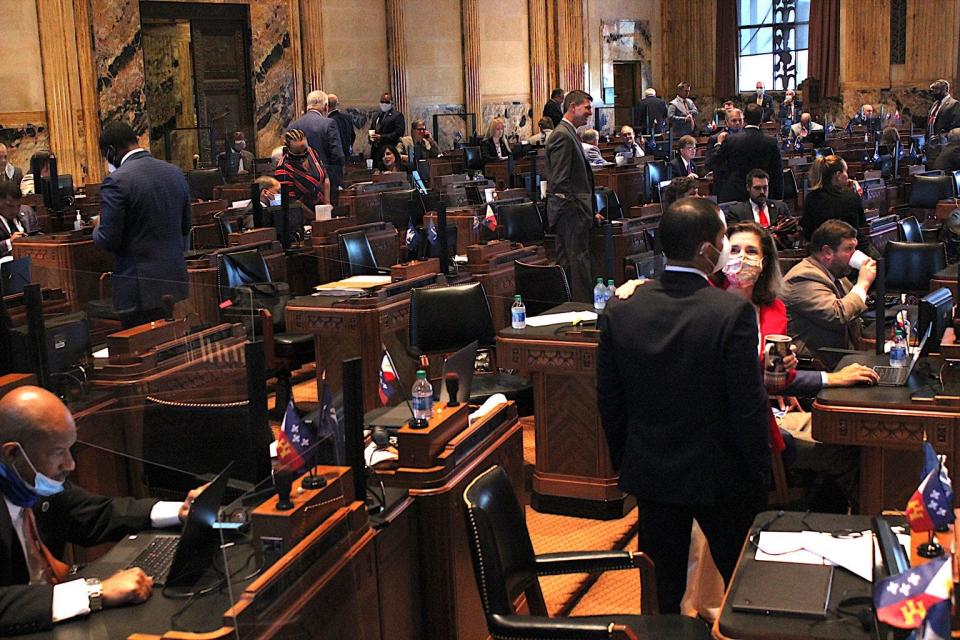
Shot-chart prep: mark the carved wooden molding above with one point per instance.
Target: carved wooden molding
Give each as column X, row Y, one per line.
column 470, row 21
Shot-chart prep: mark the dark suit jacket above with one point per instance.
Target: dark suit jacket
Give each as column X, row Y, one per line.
column 767, row 106
column 568, row 174
column 553, row 111
column 785, row 112
column 145, row 223
column 391, row 127
column 948, row 117
column 323, row 136
column 680, row 392
column 743, row 212
column 234, row 166
column 651, row 109
column 28, row 218
column 348, row 134
column 739, row 153
column 680, row 169
column 17, row 175
column 949, row 158
column 73, row 516
column 489, row 152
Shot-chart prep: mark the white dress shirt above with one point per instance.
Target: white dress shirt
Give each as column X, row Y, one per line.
column 11, row 227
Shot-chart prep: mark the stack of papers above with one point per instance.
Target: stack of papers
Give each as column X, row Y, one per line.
column 569, row 317
column 355, row 283
column 856, row 554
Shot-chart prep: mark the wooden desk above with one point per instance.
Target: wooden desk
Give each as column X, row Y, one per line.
column 67, row 261
column 467, row 221
column 625, row 181
column 444, row 166
column 11, row 381
column 631, row 236
column 363, row 201
column 450, row 603
column 889, row 428
column 499, row 171
column 573, row 473
column 360, row 327
column 54, row 302
column 325, row 240
column 945, row 278
column 495, row 272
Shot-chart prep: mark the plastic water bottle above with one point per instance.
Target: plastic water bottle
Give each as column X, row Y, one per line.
column 78, row 223
column 422, row 397
column 599, row 295
column 518, row 313
column 611, row 290
column 898, row 350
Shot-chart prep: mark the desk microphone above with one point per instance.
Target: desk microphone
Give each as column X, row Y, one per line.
column 283, row 480
column 167, row 301
column 453, row 387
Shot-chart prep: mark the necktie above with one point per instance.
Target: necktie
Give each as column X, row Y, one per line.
column 762, row 214
column 52, row 570
column 933, row 117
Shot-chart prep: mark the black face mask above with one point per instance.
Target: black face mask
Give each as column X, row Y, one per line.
column 298, row 157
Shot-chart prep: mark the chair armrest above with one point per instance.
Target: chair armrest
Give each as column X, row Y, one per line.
column 601, row 561
column 544, row 628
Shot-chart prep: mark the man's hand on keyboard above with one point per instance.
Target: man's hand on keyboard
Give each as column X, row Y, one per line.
column 129, row 586
column 852, row 374
column 185, row 507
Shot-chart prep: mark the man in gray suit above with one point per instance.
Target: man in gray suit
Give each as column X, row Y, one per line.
column 323, row 136
column 571, row 208
column 682, row 112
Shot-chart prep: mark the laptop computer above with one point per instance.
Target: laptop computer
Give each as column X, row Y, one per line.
column 787, row 589
column 174, row 560
column 898, row 376
column 462, row 364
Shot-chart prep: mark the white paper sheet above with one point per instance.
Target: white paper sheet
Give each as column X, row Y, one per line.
column 561, row 318
column 814, row 547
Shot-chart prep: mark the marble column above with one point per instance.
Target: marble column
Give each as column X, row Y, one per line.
column 397, row 54
column 570, row 48
column 311, row 37
column 539, row 62
column 61, row 89
column 470, row 21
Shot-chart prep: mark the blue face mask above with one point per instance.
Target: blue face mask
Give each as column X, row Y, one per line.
column 13, row 486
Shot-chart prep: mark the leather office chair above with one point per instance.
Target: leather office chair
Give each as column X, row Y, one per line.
column 790, row 188
column 608, row 203
column 202, row 183
column 224, row 226
column 472, row 159
column 505, row 567
column 911, row 265
column 446, row 319
column 284, row 352
column 910, row 230
column 926, row 191
column 650, row 264
column 541, row 287
column 356, row 255
column 520, row 223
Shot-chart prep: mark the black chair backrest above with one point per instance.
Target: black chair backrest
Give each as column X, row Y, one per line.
column 541, row 287
column 926, row 191
column 224, row 228
column 202, row 182
column 208, row 436
column 472, row 159
column 395, row 208
column 239, row 268
column 356, row 255
column 650, row 264
column 520, row 222
column 445, row 319
column 910, row 229
column 911, row 265
column 790, row 188
column 503, row 558
column 654, row 173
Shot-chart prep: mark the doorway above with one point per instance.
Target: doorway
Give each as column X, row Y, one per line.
column 627, row 91
column 197, row 78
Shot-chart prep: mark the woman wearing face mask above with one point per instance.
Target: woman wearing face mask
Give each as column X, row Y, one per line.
column 494, row 145
column 301, row 172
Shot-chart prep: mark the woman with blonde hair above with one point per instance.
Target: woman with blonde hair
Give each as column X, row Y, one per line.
column 494, row 144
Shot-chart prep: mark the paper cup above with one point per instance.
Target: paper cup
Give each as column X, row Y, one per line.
column 857, row 259
column 488, row 194
column 323, row 211
column 369, row 163
column 620, row 159
column 543, row 189
column 371, row 133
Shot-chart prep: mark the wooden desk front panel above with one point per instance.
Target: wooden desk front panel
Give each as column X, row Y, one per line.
column 891, row 443
column 203, row 293
column 468, row 227
column 398, row 573
column 626, row 183
column 364, row 207
column 500, row 286
column 74, row 266
column 573, row 460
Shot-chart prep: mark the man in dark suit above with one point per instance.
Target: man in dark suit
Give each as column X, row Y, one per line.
column 571, row 207
column 43, row 513
column 758, row 208
column 765, row 102
column 238, row 162
column 348, row 134
column 790, row 109
column 651, row 112
column 945, row 113
column 683, row 164
column 388, row 125
column 552, row 109
column 145, row 223
column 323, row 136
column 16, row 220
column 949, row 157
column 8, row 172
column 734, row 156
column 682, row 402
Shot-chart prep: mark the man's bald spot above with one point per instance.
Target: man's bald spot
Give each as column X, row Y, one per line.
column 28, row 412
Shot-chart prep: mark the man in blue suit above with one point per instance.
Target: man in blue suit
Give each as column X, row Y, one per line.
column 145, row 223
column 323, row 136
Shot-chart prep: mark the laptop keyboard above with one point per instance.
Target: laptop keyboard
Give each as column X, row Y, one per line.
column 890, row 375
column 157, row 557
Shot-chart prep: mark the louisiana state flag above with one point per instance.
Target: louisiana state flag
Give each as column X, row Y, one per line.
column 490, row 220
column 907, row 600
column 387, row 386
column 295, row 441
column 931, row 506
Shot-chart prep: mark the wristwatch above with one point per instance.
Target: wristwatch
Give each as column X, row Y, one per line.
column 95, row 594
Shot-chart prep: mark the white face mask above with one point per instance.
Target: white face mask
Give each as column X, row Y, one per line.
column 724, row 254
column 385, row 106
column 110, row 168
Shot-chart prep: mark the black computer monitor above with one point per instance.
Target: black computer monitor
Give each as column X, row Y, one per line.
column 936, row 309
column 654, row 173
column 816, row 138
column 55, row 198
column 956, row 183
column 14, row 276
column 289, row 223
column 823, row 152
column 919, row 142
column 891, row 560
column 66, row 343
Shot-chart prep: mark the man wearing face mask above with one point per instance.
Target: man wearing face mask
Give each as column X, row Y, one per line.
column 269, row 195
column 944, row 112
column 43, row 513
column 145, row 223
column 823, row 307
column 758, row 208
column 682, row 402
column 765, row 102
column 238, row 161
column 388, row 126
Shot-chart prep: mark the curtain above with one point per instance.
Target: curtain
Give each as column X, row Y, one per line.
column 728, row 46
column 823, row 61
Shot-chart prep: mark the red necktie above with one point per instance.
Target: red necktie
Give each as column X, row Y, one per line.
column 54, row 571
column 762, row 214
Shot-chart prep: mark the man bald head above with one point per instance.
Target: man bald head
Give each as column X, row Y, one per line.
column 37, row 421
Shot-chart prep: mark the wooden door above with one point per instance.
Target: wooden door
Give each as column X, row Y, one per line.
column 626, row 91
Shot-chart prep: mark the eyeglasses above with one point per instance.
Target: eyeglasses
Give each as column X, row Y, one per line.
column 419, row 128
